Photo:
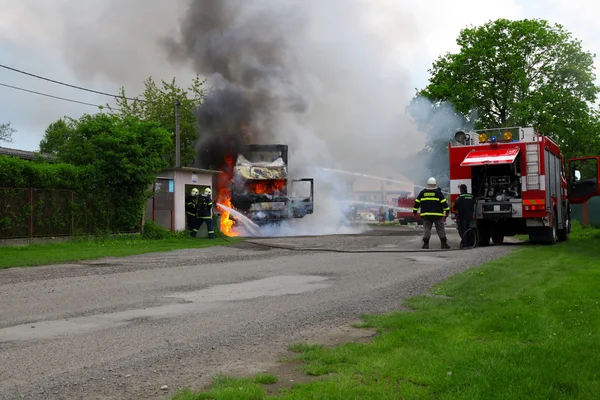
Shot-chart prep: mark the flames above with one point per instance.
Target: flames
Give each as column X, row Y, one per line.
column 265, row 187
column 224, row 196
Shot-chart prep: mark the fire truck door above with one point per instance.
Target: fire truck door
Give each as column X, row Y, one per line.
column 302, row 197
column 553, row 177
column 583, row 179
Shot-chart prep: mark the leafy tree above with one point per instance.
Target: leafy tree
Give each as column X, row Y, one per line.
column 125, row 154
column 520, row 73
column 57, row 135
column 6, row 132
column 157, row 104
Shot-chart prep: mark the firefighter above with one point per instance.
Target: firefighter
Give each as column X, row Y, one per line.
column 464, row 208
column 205, row 206
column 434, row 211
column 191, row 211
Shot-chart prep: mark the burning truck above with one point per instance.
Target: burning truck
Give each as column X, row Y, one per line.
column 255, row 183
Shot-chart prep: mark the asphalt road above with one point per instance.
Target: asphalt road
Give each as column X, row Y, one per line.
column 123, row 328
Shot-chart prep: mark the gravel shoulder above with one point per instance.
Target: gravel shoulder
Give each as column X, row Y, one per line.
column 123, row 328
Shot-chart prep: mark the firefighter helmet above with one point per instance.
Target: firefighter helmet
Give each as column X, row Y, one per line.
column 195, row 192
column 431, row 181
column 207, row 192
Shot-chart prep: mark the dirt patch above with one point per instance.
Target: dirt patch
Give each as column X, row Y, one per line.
column 290, row 373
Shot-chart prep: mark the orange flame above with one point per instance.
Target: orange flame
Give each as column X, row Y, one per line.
column 224, row 197
column 266, row 187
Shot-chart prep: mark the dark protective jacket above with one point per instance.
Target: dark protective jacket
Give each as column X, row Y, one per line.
column 205, row 207
column 464, row 206
column 433, row 204
column 191, row 206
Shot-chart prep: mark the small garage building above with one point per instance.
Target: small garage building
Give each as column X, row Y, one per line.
column 167, row 206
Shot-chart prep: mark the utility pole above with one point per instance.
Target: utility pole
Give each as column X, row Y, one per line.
column 177, row 136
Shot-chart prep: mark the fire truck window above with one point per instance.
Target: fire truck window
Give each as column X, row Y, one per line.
column 585, row 170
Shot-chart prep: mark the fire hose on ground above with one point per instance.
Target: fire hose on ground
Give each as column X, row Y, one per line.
column 316, row 249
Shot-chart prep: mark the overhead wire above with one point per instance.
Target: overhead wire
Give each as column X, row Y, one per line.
column 54, row 97
column 70, row 85
column 115, row 96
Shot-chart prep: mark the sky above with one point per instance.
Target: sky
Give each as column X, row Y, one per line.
column 103, row 45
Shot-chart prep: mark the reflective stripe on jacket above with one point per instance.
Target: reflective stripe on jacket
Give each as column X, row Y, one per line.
column 205, row 207
column 432, row 203
column 191, row 206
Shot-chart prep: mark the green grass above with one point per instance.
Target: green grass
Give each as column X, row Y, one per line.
column 90, row 249
column 526, row 326
column 265, row 378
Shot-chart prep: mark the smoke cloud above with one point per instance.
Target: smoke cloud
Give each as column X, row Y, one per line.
column 438, row 122
column 328, row 78
column 304, row 74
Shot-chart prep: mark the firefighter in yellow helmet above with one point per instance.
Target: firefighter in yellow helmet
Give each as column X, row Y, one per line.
column 205, row 206
column 191, row 211
column 434, row 210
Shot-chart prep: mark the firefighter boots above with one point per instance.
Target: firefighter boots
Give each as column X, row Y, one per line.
column 445, row 243
column 425, row 244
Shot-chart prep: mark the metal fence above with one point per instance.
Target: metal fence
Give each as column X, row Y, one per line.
column 588, row 214
column 29, row 213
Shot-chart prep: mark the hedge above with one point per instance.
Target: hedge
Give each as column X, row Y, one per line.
column 60, row 199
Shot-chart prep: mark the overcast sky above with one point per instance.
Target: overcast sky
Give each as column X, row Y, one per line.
column 110, row 43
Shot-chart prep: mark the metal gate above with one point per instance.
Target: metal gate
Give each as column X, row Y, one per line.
column 163, row 203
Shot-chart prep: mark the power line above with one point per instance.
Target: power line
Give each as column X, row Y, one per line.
column 72, row 86
column 54, row 97
column 80, row 88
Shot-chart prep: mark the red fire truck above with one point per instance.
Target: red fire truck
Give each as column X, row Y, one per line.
column 405, row 213
column 520, row 184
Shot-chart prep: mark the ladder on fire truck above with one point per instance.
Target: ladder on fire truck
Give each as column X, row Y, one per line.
column 533, row 164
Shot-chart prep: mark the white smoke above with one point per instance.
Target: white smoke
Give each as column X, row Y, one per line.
column 325, row 77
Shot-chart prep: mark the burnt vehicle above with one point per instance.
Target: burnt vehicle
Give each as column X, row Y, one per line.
column 261, row 189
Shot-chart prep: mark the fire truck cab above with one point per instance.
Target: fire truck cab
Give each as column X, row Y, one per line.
column 520, row 182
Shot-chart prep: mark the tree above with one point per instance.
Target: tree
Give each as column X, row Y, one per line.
column 125, row 153
column 56, row 135
column 6, row 132
column 157, row 104
column 520, row 73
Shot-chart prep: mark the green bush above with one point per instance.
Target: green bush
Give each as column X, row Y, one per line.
column 154, row 231
column 578, row 231
column 107, row 162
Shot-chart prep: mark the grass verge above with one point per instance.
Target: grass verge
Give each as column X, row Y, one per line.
column 90, row 248
column 526, row 326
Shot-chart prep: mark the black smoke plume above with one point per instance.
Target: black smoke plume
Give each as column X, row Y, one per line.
column 220, row 120
column 238, row 44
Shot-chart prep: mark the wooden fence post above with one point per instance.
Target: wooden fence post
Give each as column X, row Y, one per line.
column 30, row 213
column 72, row 214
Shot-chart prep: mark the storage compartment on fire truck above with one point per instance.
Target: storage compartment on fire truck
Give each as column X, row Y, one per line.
column 497, row 189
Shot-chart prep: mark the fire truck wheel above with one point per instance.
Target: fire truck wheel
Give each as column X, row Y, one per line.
column 497, row 237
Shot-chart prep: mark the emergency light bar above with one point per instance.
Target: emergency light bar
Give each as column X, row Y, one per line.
column 507, row 134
